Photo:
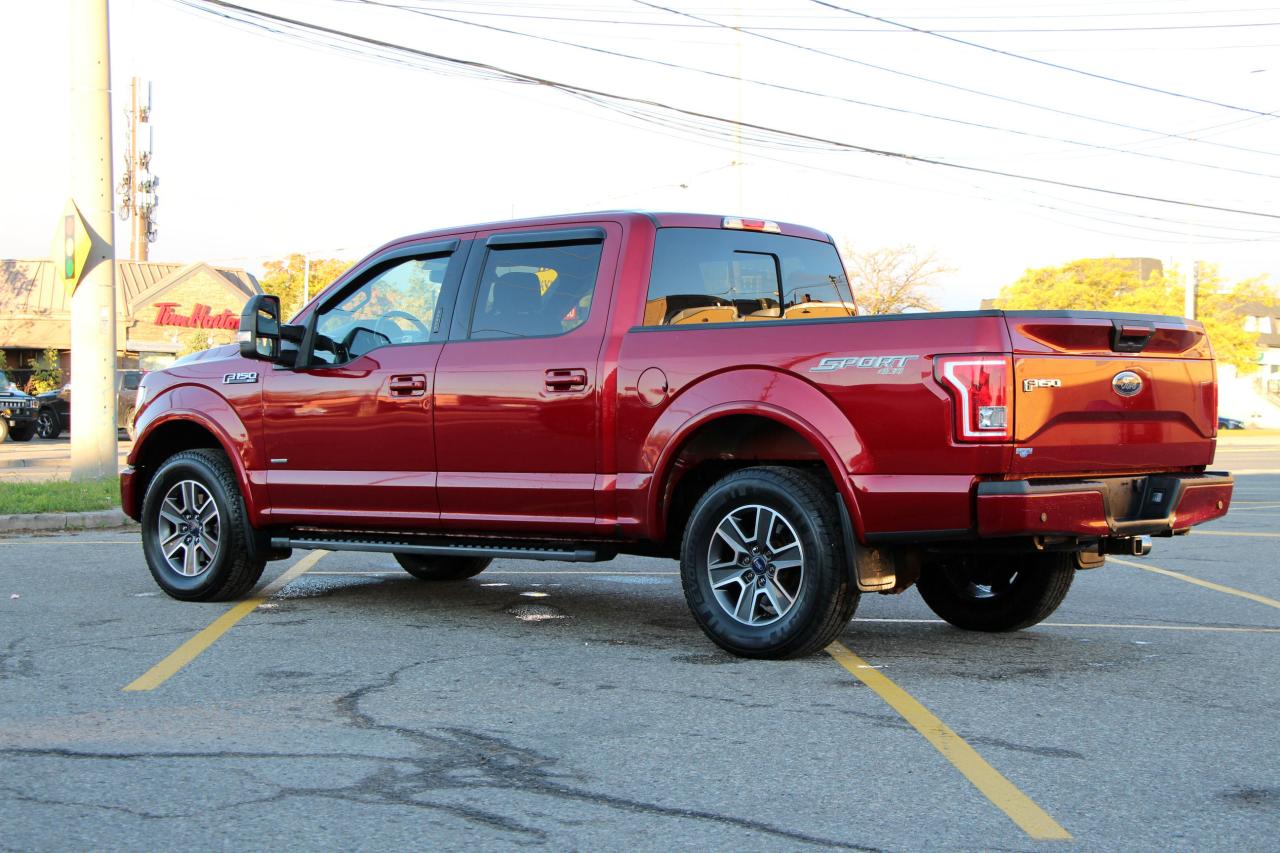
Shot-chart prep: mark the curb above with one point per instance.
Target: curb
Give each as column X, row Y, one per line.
column 43, row 521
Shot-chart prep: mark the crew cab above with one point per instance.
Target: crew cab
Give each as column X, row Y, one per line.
column 692, row 386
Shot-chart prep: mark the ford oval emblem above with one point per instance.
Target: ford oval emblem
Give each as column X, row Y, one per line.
column 1126, row 383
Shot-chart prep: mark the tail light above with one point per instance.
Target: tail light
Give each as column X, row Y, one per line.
column 981, row 386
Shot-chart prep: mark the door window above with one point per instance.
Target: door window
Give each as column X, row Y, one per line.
column 393, row 307
column 535, row 291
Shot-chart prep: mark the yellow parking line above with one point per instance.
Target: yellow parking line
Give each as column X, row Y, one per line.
column 191, row 649
column 1020, row 808
column 1261, row 599
column 1223, row 629
column 1235, row 533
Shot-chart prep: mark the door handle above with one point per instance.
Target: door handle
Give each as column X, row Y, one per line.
column 567, row 379
column 411, row 385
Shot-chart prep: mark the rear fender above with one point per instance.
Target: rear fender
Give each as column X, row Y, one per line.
column 770, row 394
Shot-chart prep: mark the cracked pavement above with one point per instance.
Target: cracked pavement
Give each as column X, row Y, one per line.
column 375, row 712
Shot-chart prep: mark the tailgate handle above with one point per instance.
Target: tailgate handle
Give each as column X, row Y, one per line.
column 1130, row 335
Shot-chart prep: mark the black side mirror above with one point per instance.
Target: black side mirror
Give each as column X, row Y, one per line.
column 259, row 334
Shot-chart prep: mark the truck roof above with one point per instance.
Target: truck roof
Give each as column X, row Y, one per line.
column 657, row 219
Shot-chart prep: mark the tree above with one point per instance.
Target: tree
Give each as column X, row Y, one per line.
column 46, row 373
column 284, row 278
column 892, row 280
column 197, row 341
column 1116, row 284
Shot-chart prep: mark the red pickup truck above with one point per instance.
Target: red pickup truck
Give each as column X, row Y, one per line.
column 703, row 388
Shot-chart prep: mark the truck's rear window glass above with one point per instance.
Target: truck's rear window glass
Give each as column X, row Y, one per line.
column 535, row 291
column 701, row 275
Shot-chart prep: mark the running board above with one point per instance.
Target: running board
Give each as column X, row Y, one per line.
column 441, row 549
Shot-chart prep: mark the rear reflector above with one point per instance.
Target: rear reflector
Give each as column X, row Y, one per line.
column 980, row 387
column 750, row 225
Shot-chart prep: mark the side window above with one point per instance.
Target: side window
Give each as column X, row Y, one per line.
column 535, row 291
column 396, row 305
column 701, row 275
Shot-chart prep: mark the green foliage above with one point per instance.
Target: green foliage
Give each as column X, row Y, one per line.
column 46, row 374
column 4, row 360
column 1114, row 284
column 284, row 278
column 196, row 341
column 59, row 496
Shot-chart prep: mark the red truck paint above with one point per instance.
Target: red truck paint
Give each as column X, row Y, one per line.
column 586, row 436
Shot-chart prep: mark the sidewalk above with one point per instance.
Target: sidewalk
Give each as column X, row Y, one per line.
column 40, row 459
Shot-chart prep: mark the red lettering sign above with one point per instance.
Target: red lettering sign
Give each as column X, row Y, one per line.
column 201, row 317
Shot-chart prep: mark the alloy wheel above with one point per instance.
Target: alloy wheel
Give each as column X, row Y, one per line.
column 189, row 528
column 755, row 564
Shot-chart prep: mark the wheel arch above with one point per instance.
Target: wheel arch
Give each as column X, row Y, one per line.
column 757, row 410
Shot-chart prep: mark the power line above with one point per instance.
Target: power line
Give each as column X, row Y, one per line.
column 954, row 86
column 796, row 90
column 1044, row 62
column 644, row 103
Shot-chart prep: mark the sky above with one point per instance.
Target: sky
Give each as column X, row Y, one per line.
column 266, row 144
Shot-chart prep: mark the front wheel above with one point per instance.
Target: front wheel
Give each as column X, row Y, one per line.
column 428, row 568
column 763, row 567
column 48, row 424
column 997, row 592
column 195, row 531
column 23, row 433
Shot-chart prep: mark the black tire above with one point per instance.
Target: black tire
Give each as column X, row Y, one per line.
column 997, row 592
column 48, row 424
column 426, row 568
column 231, row 570
column 822, row 593
column 23, row 433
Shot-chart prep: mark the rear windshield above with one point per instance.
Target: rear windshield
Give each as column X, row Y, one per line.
column 701, row 275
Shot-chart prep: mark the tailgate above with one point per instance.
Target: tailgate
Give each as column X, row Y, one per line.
column 1110, row 392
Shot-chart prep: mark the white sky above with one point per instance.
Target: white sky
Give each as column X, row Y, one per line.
column 265, row 146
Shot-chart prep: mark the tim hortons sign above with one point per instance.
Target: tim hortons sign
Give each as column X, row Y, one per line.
column 201, row 317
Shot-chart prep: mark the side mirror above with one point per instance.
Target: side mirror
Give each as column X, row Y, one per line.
column 259, row 335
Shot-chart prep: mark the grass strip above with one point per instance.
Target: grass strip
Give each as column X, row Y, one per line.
column 59, row 496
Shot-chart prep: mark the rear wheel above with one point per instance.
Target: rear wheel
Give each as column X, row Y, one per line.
column 195, row 531
column 23, row 433
column 430, row 568
column 997, row 592
column 48, row 424
column 762, row 564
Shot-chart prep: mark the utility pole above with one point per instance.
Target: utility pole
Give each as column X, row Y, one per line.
column 138, row 186
column 93, row 301
column 1191, row 286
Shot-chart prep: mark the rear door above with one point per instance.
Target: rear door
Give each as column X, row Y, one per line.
column 1097, row 392
column 518, row 387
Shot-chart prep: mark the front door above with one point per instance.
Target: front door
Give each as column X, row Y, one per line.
column 517, row 387
column 349, row 435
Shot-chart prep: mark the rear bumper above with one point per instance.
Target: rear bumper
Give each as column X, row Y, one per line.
column 1154, row 505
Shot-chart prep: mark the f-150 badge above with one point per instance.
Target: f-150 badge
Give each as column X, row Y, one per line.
column 1033, row 384
column 239, row 378
column 888, row 365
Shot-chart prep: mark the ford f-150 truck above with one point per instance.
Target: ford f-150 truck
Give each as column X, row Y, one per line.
column 703, row 388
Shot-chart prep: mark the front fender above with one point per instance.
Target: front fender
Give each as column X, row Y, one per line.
column 199, row 406
column 772, row 394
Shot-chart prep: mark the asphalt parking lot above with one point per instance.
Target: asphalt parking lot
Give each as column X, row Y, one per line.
column 577, row 706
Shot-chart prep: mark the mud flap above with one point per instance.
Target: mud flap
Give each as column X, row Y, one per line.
column 873, row 568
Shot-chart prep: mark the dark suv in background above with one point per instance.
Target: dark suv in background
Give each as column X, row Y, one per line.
column 17, row 411
column 54, row 415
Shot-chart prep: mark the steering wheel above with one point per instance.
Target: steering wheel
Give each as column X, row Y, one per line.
column 399, row 332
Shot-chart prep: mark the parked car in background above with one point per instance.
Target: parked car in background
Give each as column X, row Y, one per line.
column 17, row 411
column 1229, row 423
column 54, row 415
